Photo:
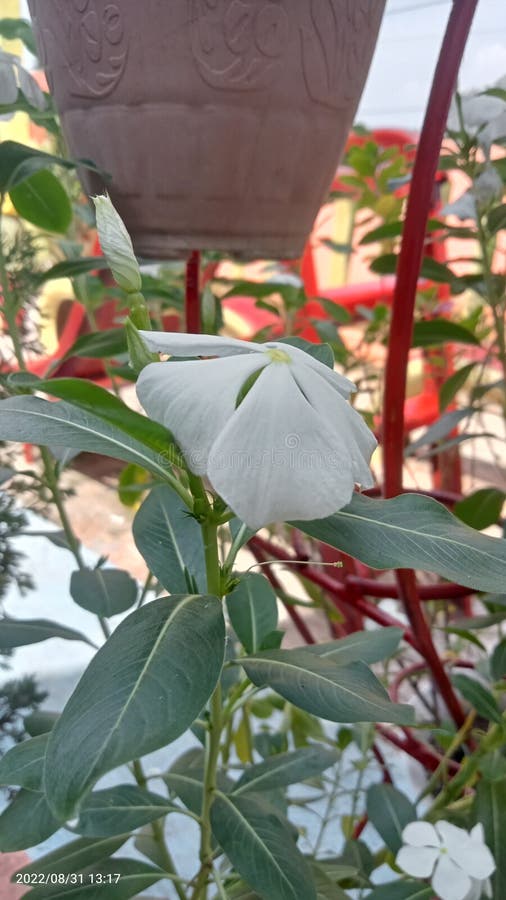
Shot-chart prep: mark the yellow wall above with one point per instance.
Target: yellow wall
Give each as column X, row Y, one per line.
column 15, row 129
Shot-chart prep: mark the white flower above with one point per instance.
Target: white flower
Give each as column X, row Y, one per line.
column 268, row 424
column 484, row 116
column 458, row 862
column 117, row 246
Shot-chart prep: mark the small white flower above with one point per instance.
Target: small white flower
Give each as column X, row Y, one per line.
column 268, row 424
column 458, row 862
column 117, row 246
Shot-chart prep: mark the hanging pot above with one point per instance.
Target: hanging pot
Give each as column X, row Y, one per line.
column 221, row 122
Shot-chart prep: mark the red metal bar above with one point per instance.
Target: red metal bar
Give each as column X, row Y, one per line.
column 192, row 294
column 410, row 260
column 412, row 250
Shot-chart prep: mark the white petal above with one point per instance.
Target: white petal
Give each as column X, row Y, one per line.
column 476, row 891
column 478, row 833
column 277, row 459
column 451, row 835
column 341, row 384
column 417, row 861
column 195, row 399
column 342, row 418
column 473, row 857
column 176, row 344
column 448, row 881
column 421, row 834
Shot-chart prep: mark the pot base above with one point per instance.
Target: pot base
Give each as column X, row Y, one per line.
column 162, row 246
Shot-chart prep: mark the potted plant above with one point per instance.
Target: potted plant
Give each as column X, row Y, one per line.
column 221, row 122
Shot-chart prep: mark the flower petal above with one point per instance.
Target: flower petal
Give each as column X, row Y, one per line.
column 176, row 344
column 195, row 400
column 478, row 833
column 338, row 382
column 448, row 881
column 342, row 418
column 277, row 459
column 417, row 861
column 472, row 855
column 421, row 834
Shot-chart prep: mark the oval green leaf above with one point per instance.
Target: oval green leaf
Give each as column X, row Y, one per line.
column 253, row 611
column 414, row 532
column 261, row 848
column 142, row 690
column 117, row 810
column 105, row 592
column 43, row 201
column 317, row 685
column 170, row 541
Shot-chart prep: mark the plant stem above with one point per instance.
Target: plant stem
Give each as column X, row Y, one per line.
column 215, row 726
column 158, row 833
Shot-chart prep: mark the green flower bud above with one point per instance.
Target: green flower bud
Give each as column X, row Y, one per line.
column 117, row 246
column 140, row 357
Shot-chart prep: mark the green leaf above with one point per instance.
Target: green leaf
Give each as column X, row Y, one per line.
column 21, row 632
column 40, row 722
column 253, row 611
column 170, row 541
column 402, row 890
column 110, row 409
column 326, row 887
column 105, row 592
column 261, row 848
column 26, row 822
column 383, row 232
column 72, row 268
column 498, row 661
column 489, row 807
column 441, row 331
column 142, row 690
column 431, row 269
column 453, row 385
column 185, row 779
column 23, row 764
column 120, row 809
column 389, row 811
column 483, row 701
column 42, row 201
column 413, row 532
column 497, row 219
column 481, row 509
column 368, row 646
column 322, row 352
column 77, row 855
column 129, row 877
column 493, row 766
column 34, row 421
column 13, row 29
column 286, row 768
column 440, row 429
column 317, row 685
column 105, row 344
column 18, row 162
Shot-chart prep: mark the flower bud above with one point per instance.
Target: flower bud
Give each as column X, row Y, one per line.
column 117, row 246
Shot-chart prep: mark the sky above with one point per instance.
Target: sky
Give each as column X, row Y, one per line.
column 400, row 78
column 406, row 55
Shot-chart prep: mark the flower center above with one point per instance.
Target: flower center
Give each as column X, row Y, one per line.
column 278, row 356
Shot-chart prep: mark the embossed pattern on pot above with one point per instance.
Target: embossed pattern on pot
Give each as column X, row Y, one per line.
column 221, row 122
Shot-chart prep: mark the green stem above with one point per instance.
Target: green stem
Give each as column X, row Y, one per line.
column 216, row 723
column 158, row 834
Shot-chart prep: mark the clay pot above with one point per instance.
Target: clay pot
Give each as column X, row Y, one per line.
column 221, row 121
